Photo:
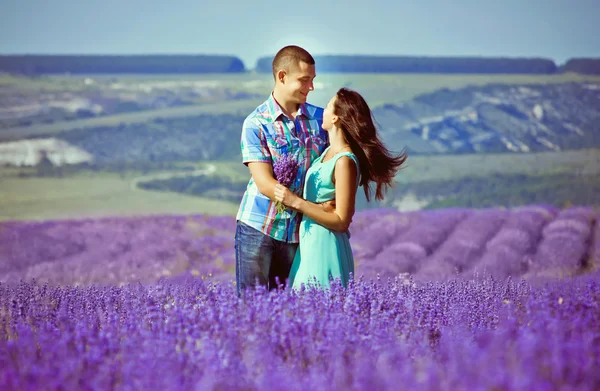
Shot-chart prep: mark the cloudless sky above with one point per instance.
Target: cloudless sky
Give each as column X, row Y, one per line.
column 555, row 29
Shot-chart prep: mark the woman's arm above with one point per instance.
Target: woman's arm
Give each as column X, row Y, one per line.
column 262, row 173
column 345, row 194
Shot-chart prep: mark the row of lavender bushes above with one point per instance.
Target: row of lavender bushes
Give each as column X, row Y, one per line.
column 435, row 245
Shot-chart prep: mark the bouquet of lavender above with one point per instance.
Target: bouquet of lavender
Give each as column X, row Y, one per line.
column 285, row 169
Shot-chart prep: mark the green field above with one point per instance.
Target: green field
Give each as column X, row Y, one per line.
column 94, row 195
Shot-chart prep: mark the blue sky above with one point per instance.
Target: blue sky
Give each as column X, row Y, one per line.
column 552, row 28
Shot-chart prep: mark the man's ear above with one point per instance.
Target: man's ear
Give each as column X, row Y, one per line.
column 281, row 76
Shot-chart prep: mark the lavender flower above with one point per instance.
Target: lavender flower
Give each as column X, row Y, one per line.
column 285, row 169
column 112, row 308
column 194, row 335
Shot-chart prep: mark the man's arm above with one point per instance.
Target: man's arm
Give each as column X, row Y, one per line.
column 257, row 156
column 262, row 174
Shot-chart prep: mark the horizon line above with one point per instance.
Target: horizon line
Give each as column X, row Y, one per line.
column 428, row 56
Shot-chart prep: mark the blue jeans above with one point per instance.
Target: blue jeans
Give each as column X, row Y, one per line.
column 261, row 259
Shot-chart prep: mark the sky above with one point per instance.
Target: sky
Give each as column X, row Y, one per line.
column 554, row 29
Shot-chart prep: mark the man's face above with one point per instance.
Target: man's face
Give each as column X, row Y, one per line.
column 298, row 82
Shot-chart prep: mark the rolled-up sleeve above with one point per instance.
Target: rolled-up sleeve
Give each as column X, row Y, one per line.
column 254, row 144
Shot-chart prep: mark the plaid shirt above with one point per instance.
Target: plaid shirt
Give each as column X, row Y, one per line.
column 268, row 133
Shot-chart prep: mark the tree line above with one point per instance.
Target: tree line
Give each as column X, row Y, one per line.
column 94, row 64
column 471, row 65
column 507, row 190
column 157, row 64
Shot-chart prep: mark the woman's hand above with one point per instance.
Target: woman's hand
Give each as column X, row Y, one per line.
column 287, row 197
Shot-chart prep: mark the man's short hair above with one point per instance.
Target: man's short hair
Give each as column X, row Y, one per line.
column 290, row 56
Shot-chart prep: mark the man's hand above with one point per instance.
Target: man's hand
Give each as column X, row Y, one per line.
column 328, row 206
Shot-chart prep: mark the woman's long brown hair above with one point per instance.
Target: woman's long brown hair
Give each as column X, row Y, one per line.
column 377, row 164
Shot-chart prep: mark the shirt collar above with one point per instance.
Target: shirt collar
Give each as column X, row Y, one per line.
column 276, row 110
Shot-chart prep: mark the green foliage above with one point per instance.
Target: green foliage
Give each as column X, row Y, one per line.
column 506, row 190
column 45, row 167
column 207, row 186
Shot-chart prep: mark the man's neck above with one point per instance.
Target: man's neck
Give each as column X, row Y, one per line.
column 289, row 108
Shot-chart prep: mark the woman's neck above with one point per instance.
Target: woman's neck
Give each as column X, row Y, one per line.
column 337, row 141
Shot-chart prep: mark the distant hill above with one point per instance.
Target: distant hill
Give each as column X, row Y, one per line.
column 199, row 138
column 97, row 64
column 413, row 64
column 444, row 65
column 495, row 118
column 587, row 66
column 478, row 119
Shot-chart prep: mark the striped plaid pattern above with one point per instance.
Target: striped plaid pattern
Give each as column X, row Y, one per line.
column 267, row 134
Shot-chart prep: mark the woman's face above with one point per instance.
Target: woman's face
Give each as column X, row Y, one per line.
column 329, row 118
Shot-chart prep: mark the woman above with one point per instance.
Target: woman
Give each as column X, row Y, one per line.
column 355, row 157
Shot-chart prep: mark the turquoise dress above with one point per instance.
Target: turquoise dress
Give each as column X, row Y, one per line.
column 323, row 254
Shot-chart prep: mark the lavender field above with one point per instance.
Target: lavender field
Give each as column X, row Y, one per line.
column 149, row 303
column 530, row 241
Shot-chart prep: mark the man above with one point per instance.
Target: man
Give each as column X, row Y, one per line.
column 265, row 241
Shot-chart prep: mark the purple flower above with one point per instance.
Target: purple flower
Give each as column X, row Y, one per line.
column 285, row 168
